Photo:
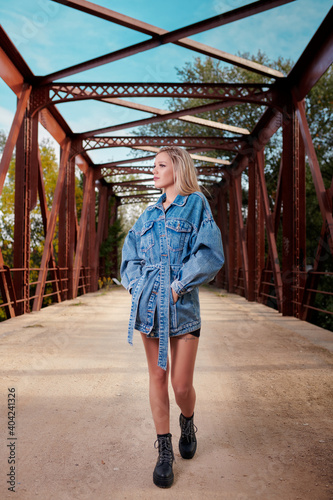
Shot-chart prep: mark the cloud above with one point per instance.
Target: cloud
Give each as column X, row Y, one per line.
column 6, row 119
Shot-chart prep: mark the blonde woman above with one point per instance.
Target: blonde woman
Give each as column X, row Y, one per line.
column 174, row 247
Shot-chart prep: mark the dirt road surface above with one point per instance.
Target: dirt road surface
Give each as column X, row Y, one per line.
column 83, row 429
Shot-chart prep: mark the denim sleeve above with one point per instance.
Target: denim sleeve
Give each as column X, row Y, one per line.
column 206, row 259
column 131, row 267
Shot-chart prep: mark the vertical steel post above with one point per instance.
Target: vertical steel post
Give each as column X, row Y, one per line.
column 24, row 153
column 63, row 238
column 51, row 228
column 260, row 234
column 93, row 283
column 270, row 230
column 102, row 217
column 225, row 234
column 222, row 222
column 67, row 230
column 88, row 187
column 288, row 218
column 232, row 236
column 251, row 231
column 294, row 216
column 241, row 234
column 114, row 253
column 322, row 195
column 14, row 133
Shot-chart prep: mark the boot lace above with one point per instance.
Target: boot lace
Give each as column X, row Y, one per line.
column 165, row 450
column 188, row 429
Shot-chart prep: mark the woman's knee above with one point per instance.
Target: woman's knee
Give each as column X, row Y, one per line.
column 158, row 376
column 181, row 389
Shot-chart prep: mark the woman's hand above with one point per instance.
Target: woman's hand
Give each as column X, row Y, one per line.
column 175, row 296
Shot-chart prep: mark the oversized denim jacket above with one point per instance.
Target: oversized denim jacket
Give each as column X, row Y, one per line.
column 180, row 248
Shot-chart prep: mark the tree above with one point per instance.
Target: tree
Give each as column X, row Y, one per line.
column 7, row 204
column 320, row 118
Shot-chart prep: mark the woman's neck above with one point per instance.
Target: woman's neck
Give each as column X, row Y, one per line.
column 170, row 196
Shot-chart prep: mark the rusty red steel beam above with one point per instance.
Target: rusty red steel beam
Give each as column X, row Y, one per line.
column 13, row 68
column 169, row 37
column 274, row 257
column 188, row 116
column 312, row 277
column 55, row 124
column 229, row 93
column 241, row 233
column 13, row 134
column 10, row 74
column 91, row 238
column 121, row 170
column 5, row 289
column 82, row 229
column 133, row 188
column 102, row 213
column 42, row 194
column 314, row 61
column 15, row 72
column 51, row 228
column 134, row 181
column 160, row 36
column 232, row 258
column 322, row 194
column 167, row 116
column 45, row 216
column 204, row 142
column 213, row 22
column 251, row 231
column 222, row 220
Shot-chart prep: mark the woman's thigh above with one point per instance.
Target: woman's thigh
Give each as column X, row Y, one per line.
column 151, row 346
column 183, row 355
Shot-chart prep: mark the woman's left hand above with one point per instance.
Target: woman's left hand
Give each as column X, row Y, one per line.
column 175, row 296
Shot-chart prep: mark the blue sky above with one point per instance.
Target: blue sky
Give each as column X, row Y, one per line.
column 51, row 37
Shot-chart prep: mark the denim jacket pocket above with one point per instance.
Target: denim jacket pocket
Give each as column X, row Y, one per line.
column 178, row 232
column 147, row 237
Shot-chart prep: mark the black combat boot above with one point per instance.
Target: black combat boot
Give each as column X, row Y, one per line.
column 163, row 474
column 187, row 441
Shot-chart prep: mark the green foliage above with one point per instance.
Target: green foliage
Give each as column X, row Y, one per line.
column 320, row 118
column 109, row 247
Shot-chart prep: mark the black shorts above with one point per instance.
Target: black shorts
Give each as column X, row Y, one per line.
column 196, row 333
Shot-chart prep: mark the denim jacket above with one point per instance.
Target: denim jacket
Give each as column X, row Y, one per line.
column 179, row 248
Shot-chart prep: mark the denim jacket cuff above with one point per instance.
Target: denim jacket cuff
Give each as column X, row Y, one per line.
column 178, row 288
column 132, row 285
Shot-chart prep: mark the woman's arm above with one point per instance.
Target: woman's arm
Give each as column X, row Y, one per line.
column 131, row 265
column 206, row 259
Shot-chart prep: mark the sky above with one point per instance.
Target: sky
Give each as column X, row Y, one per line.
column 51, row 37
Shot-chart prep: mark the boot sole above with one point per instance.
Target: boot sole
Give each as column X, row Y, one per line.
column 163, row 482
column 186, row 455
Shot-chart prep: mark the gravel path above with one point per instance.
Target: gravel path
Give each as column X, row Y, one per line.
column 83, row 427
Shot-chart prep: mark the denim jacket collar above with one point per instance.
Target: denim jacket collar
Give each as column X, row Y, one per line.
column 179, row 201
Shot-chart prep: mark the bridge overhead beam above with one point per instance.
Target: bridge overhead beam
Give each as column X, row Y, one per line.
column 243, row 234
column 163, row 37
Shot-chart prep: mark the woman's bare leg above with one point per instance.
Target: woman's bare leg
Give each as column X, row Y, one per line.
column 183, row 354
column 158, row 386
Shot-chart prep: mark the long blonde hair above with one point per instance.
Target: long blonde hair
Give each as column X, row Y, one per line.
column 186, row 180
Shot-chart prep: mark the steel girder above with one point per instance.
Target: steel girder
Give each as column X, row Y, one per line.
column 125, row 170
column 202, row 143
column 47, row 95
column 246, row 270
column 160, row 37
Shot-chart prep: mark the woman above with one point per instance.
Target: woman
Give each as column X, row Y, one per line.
column 174, row 247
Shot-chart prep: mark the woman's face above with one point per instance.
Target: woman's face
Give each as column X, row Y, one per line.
column 163, row 171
